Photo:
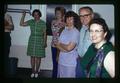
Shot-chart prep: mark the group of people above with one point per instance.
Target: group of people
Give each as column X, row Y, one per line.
column 80, row 44
column 83, row 48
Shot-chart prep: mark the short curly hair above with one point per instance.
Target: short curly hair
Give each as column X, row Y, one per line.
column 77, row 22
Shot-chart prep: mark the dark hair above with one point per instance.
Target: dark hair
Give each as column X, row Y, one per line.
column 87, row 7
column 77, row 22
column 36, row 10
column 102, row 22
column 61, row 9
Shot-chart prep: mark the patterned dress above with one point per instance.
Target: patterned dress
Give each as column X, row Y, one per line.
column 56, row 26
column 36, row 43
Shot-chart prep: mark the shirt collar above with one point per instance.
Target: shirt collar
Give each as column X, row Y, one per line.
column 85, row 27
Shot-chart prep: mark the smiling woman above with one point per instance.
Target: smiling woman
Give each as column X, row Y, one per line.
column 96, row 33
column 99, row 60
column 50, row 14
column 37, row 40
column 67, row 44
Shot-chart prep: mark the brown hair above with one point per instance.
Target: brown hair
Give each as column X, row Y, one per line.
column 36, row 10
column 61, row 9
column 77, row 22
column 104, row 25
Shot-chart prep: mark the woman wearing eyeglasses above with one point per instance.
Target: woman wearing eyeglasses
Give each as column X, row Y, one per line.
column 99, row 60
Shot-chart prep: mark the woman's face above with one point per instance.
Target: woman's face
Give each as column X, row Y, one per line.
column 36, row 16
column 97, row 33
column 69, row 21
column 58, row 14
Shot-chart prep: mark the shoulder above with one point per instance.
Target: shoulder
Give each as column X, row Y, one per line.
column 42, row 20
column 75, row 30
column 7, row 16
column 92, row 51
column 42, row 23
column 30, row 21
column 107, row 47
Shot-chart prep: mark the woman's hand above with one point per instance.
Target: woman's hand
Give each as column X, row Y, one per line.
column 57, row 43
column 24, row 13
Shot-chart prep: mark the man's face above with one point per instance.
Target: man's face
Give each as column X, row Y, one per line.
column 85, row 16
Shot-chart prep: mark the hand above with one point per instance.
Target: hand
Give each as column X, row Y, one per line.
column 24, row 13
column 57, row 43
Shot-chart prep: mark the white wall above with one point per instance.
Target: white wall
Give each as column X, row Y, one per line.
column 20, row 37
column 105, row 10
column 20, row 34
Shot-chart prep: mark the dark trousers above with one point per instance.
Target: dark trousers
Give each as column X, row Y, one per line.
column 80, row 73
column 7, row 44
column 55, row 63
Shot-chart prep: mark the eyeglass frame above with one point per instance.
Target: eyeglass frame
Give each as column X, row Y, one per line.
column 86, row 15
column 96, row 31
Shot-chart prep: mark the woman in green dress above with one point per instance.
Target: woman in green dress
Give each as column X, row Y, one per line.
column 37, row 40
column 99, row 60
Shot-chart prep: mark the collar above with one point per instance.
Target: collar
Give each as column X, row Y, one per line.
column 100, row 45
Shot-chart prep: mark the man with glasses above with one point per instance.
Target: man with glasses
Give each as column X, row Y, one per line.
column 86, row 15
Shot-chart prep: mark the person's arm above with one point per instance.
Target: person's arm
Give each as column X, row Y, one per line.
column 9, row 23
column 22, row 23
column 45, row 38
column 112, row 40
column 109, row 63
column 58, row 46
column 65, row 47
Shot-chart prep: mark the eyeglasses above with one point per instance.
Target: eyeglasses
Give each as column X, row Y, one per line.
column 96, row 31
column 86, row 15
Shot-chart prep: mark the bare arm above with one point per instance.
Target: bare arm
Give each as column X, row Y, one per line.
column 22, row 23
column 109, row 63
column 45, row 38
column 66, row 47
column 59, row 47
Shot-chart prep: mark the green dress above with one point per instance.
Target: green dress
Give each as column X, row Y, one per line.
column 91, row 52
column 36, row 43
